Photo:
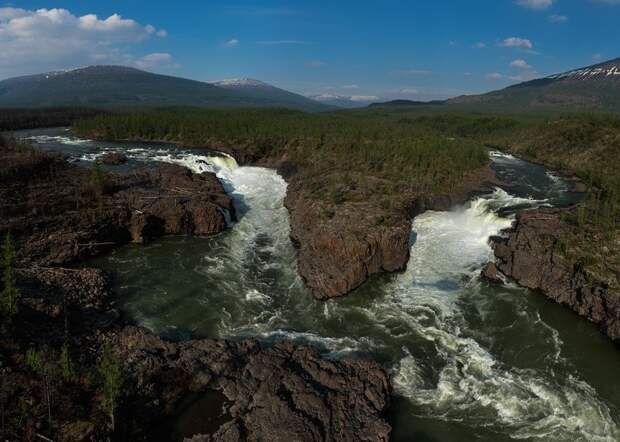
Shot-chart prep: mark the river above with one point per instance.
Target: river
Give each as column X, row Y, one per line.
column 468, row 361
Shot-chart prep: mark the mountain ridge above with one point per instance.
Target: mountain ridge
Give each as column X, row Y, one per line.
column 124, row 86
column 592, row 88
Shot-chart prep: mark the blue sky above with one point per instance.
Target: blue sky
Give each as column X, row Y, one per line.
column 376, row 48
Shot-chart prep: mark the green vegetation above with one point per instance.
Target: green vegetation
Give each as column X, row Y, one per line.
column 9, row 297
column 16, row 119
column 43, row 366
column 385, row 151
column 110, row 373
column 417, row 157
column 67, row 370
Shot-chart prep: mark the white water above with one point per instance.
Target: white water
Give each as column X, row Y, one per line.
column 417, row 319
column 474, row 387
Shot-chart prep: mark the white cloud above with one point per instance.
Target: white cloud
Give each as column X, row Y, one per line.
column 50, row 39
column 535, row 4
column 516, row 42
column 410, row 91
column 364, row 98
column 598, row 57
column 156, row 60
column 559, row 19
column 520, row 63
column 232, row 43
column 479, row 45
column 350, row 86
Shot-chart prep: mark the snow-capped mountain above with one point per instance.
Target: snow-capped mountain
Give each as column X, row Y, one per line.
column 263, row 91
column 345, row 101
column 121, row 86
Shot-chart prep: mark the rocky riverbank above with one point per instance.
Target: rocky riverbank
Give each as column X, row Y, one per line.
column 544, row 252
column 362, row 228
column 60, row 214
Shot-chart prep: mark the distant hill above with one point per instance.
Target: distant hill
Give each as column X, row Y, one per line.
column 344, row 101
column 114, row 86
column 595, row 87
column 406, row 103
column 268, row 94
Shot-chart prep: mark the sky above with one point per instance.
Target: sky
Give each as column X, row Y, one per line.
column 366, row 49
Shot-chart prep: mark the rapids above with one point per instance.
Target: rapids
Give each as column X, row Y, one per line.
column 468, row 361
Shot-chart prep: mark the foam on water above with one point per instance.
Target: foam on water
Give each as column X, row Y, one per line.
column 57, row 139
column 473, row 387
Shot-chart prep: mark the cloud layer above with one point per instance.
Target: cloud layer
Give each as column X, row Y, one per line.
column 48, row 39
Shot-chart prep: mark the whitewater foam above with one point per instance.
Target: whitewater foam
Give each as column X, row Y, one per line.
column 472, row 385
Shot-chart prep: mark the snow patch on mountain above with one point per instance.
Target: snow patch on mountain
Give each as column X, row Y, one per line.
column 239, row 82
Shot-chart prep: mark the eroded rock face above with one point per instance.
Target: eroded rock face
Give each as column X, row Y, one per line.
column 173, row 200
column 340, row 246
column 58, row 217
column 279, row 393
column 339, row 254
column 530, row 256
column 114, row 159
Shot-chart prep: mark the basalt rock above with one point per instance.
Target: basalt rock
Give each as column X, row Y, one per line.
column 491, row 274
column 531, row 255
column 277, row 393
column 114, row 159
column 173, row 200
column 341, row 244
column 60, row 213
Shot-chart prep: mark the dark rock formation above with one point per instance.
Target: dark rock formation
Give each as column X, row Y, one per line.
column 281, row 392
column 114, row 159
column 173, row 200
column 532, row 256
column 490, row 273
column 339, row 254
column 275, row 393
column 341, row 245
column 59, row 213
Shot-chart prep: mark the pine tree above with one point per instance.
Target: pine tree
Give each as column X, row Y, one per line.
column 111, row 380
column 10, row 293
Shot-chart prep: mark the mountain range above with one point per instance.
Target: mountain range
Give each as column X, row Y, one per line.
column 593, row 88
column 120, row 86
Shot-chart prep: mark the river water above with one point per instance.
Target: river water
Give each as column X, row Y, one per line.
column 468, row 361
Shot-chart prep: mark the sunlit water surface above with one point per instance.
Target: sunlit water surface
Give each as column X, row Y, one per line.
column 468, row 361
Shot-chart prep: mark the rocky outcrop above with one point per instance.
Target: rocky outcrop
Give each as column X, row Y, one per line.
column 338, row 254
column 277, row 393
column 532, row 255
column 254, row 392
column 114, row 159
column 61, row 213
column 173, row 200
column 341, row 244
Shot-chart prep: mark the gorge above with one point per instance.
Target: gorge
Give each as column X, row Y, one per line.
column 452, row 344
